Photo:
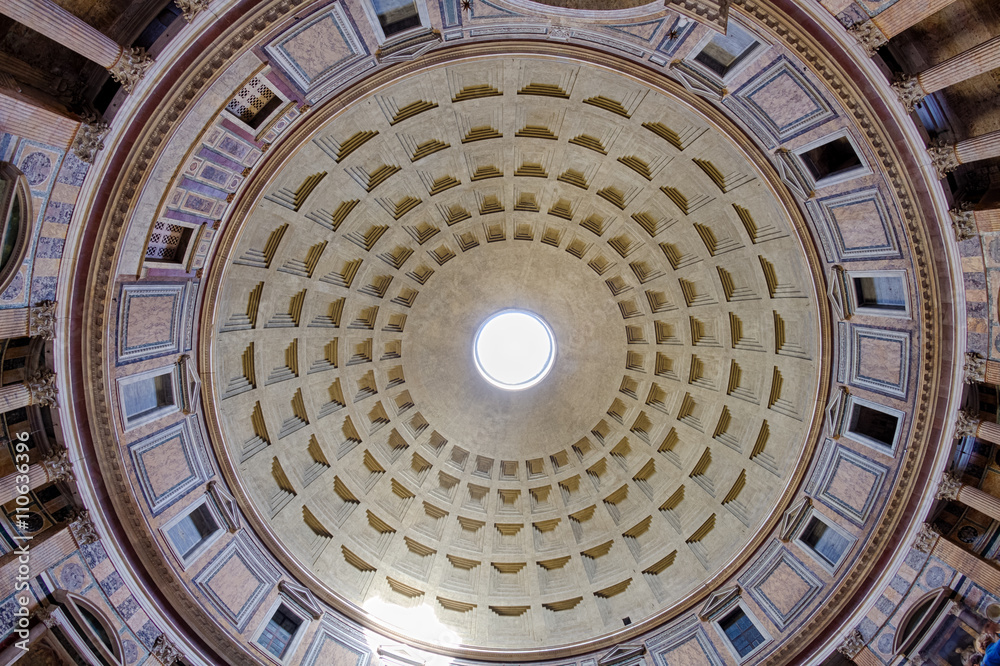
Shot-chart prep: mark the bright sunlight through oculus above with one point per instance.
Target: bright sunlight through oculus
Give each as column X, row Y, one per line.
column 514, row 350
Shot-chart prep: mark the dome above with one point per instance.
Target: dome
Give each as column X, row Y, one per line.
column 255, row 339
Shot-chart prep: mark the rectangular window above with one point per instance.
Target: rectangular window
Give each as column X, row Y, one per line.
column 147, row 396
column 725, row 52
column 395, row 16
column 883, row 292
column 829, row 544
column 279, row 632
column 741, row 632
column 193, row 530
column 874, row 424
column 832, row 158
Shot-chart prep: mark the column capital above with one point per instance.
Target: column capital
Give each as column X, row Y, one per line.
column 44, row 615
column 191, row 8
column 869, row 36
column 926, row 538
column 90, row 138
column 943, row 158
column 909, row 91
column 165, row 651
column 42, row 386
column 130, row 67
column 852, row 645
column 963, row 221
column 975, row 368
column 966, row 425
column 82, row 528
column 42, row 320
column 58, row 466
column 949, row 486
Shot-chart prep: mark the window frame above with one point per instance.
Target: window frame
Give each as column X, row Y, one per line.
column 856, row 308
column 292, row 647
column 861, row 438
column 739, row 64
column 742, row 607
column 205, row 543
column 811, row 515
column 264, row 124
column 176, row 387
column 15, row 189
column 372, row 15
column 864, row 169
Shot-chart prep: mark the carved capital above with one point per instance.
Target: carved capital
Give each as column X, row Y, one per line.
column 869, row 36
column 165, row 651
column 975, row 368
column 909, row 91
column 82, row 528
column 943, row 158
column 42, row 320
column 89, row 138
column 966, row 425
column 852, row 645
column 42, row 387
column 949, row 486
column 58, row 467
column 963, row 221
column 130, row 67
column 44, row 615
column 926, row 538
column 191, row 8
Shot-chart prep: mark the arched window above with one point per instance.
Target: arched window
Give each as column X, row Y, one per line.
column 918, row 618
column 17, row 218
column 93, row 626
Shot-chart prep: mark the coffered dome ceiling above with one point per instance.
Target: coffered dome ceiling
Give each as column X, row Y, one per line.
column 652, row 239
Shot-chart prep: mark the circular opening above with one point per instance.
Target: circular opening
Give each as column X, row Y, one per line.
column 514, row 349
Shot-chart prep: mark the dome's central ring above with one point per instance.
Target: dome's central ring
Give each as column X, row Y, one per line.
column 514, row 349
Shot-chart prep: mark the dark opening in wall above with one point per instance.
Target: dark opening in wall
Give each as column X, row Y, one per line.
column 193, row 530
column 883, row 292
column 874, row 424
column 724, row 52
column 825, row 541
column 396, row 15
column 831, row 158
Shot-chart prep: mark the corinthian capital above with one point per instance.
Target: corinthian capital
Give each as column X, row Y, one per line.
column 943, row 158
column 82, row 528
column 869, row 36
column 58, row 466
column 130, row 67
column 949, row 486
column 926, row 538
column 165, row 651
column 963, row 221
column 852, row 645
column 42, row 320
column 975, row 368
column 966, row 425
column 42, row 386
column 909, row 91
column 89, row 138
column 191, row 8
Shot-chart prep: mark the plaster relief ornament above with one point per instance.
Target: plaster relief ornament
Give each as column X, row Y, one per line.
column 975, row 368
column 868, row 36
column 42, row 386
column 130, row 67
column 949, row 486
column 42, row 320
column 852, row 645
column 90, row 138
